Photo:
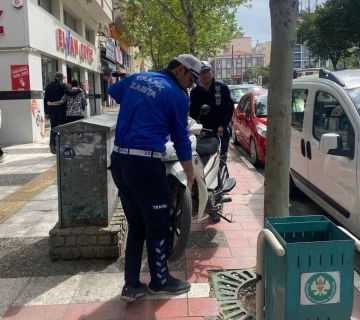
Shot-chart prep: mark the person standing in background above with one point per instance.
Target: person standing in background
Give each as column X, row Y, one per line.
column 54, row 91
column 75, row 104
column 2, row 153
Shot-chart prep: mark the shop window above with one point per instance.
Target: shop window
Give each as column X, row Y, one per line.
column 88, row 35
column 69, row 21
column 45, row 4
column 49, row 68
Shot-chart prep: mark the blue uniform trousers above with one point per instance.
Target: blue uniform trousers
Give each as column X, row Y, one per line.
column 146, row 200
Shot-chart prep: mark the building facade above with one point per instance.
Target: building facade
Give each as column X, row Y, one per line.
column 237, row 68
column 265, row 49
column 302, row 57
column 37, row 39
column 238, row 44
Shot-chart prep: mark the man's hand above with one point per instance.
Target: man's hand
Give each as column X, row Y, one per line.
column 220, row 131
column 190, row 181
column 50, row 103
column 47, row 117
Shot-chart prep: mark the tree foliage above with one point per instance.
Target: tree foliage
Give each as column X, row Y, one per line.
column 331, row 30
column 166, row 28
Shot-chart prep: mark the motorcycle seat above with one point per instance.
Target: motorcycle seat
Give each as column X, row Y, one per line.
column 206, row 146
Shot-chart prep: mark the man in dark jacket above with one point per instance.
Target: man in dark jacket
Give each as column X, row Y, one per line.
column 54, row 91
column 217, row 95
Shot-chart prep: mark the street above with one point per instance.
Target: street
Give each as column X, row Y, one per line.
column 301, row 206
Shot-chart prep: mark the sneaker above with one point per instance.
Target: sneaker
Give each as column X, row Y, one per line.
column 2, row 158
column 173, row 287
column 52, row 149
column 130, row 294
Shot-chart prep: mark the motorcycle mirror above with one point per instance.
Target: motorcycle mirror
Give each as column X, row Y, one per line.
column 205, row 109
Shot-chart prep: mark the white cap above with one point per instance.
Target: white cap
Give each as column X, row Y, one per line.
column 191, row 63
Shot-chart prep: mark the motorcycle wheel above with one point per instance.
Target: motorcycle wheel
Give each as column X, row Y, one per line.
column 180, row 220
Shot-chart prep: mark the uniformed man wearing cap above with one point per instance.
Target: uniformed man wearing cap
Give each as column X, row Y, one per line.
column 217, row 95
column 153, row 105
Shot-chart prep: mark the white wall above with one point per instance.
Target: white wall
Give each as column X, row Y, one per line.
column 45, row 39
column 15, row 25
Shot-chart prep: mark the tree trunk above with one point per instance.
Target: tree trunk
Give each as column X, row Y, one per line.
column 334, row 63
column 284, row 15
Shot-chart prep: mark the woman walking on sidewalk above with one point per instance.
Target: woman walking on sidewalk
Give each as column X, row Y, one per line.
column 2, row 153
column 75, row 104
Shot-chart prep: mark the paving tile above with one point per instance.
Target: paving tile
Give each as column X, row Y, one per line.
column 203, row 307
column 24, row 217
column 153, row 309
column 243, row 252
column 252, row 241
column 49, row 291
column 199, row 290
column 233, row 263
column 99, row 288
column 252, row 225
column 10, row 290
column 238, row 243
column 198, row 276
column 208, row 253
column 3, row 311
column 14, row 230
column 356, row 306
column 193, row 264
column 53, row 312
column 48, row 205
column 96, row 311
column 47, row 194
column 225, row 226
column 8, row 189
column 241, row 234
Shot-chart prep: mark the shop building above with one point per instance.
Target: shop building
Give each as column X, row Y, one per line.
column 37, row 39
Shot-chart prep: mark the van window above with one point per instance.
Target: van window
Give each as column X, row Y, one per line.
column 330, row 117
column 299, row 98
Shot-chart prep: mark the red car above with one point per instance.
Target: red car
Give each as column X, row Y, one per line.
column 249, row 125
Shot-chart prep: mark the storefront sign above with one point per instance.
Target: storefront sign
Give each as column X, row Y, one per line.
column 110, row 50
column 72, row 46
column 1, row 27
column 17, row 4
column 20, row 79
column 119, row 57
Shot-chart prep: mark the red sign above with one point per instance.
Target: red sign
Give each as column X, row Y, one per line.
column 20, row 78
column 1, row 27
column 72, row 47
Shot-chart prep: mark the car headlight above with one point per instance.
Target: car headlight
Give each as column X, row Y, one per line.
column 261, row 129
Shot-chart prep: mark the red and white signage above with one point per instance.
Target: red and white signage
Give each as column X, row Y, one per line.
column 17, row 4
column 72, row 47
column 1, row 27
column 20, row 78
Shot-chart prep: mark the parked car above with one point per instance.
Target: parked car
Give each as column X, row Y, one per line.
column 249, row 125
column 325, row 143
column 238, row 90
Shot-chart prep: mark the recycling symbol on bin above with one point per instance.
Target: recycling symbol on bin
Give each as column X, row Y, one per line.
column 68, row 153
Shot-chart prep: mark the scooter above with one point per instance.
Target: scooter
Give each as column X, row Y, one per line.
column 208, row 194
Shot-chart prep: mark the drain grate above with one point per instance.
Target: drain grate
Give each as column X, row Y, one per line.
column 227, row 286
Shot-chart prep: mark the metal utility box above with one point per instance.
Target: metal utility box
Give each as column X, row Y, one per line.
column 87, row 193
column 314, row 280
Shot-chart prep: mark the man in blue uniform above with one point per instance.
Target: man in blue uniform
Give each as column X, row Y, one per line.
column 152, row 107
column 217, row 95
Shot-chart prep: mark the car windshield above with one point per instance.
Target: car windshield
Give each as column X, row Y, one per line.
column 355, row 96
column 236, row 94
column 261, row 106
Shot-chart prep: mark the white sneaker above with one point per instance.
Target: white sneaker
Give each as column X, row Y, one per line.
column 2, row 158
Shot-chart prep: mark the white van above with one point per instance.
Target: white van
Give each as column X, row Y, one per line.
column 325, row 153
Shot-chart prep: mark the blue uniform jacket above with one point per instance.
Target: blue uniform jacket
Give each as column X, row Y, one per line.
column 152, row 106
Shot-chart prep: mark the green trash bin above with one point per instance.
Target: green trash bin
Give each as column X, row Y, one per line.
column 315, row 278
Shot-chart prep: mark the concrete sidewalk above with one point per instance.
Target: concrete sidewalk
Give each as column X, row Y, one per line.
column 35, row 288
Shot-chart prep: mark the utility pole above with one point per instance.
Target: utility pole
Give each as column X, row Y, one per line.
column 245, row 66
column 232, row 64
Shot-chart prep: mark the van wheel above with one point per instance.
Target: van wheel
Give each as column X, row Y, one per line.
column 253, row 153
column 294, row 191
column 235, row 140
